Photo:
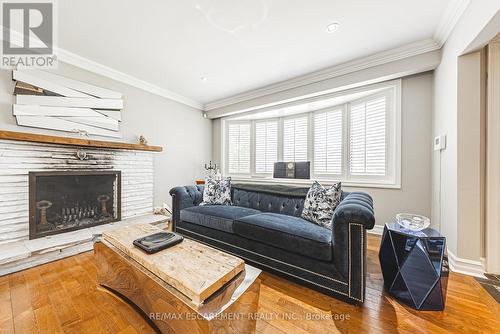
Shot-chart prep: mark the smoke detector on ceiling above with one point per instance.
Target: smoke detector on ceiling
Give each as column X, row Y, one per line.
column 332, row 27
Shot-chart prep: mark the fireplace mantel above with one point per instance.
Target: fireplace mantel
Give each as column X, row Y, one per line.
column 47, row 139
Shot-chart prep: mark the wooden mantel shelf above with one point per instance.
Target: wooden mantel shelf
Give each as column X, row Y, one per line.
column 38, row 138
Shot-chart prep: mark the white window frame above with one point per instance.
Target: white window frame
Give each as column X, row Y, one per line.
column 392, row 179
column 392, row 143
column 226, row 150
column 282, row 134
column 319, row 176
column 253, row 130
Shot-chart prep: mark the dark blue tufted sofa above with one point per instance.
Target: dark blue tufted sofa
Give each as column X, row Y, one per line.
column 263, row 226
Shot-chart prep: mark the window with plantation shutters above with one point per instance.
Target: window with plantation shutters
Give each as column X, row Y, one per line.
column 367, row 137
column 295, row 131
column 356, row 140
column 266, row 146
column 327, row 155
column 239, row 148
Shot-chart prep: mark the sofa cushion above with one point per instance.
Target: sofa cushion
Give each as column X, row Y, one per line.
column 274, row 200
column 217, row 191
column 219, row 217
column 287, row 232
column 320, row 203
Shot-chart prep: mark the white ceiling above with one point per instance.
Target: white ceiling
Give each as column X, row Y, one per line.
column 239, row 45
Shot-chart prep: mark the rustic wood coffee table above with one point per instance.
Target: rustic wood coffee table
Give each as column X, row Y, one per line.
column 187, row 288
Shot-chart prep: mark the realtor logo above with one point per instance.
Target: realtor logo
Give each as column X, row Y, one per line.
column 28, row 34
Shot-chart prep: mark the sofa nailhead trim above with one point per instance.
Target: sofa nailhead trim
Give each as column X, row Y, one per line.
column 270, row 258
column 268, row 266
column 350, row 257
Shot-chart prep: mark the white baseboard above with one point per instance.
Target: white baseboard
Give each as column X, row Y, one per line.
column 377, row 230
column 465, row 266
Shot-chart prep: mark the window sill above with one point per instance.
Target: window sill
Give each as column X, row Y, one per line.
column 310, row 181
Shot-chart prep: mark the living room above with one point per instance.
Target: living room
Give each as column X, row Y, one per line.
column 250, row 166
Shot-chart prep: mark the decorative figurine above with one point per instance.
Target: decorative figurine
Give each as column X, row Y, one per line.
column 142, row 140
column 210, row 168
column 82, row 133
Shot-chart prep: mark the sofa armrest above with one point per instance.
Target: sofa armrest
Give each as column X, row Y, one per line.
column 184, row 197
column 356, row 207
column 352, row 217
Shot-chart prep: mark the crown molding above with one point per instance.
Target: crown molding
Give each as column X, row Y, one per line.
column 97, row 68
column 449, row 19
column 106, row 71
column 402, row 52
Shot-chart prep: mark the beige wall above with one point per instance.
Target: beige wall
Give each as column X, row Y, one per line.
column 182, row 131
column 492, row 193
column 470, row 154
column 416, row 144
column 217, row 141
column 414, row 195
column 445, row 121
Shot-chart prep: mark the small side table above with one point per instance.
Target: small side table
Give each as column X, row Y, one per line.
column 415, row 266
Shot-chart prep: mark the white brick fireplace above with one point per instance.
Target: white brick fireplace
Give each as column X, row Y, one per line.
column 18, row 158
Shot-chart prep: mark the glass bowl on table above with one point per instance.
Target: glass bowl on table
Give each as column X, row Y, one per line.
column 413, row 222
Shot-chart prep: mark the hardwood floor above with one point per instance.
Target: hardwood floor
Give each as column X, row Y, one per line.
column 62, row 297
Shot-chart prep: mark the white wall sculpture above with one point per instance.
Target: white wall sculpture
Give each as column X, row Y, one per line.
column 49, row 101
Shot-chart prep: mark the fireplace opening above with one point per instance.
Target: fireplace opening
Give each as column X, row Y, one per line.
column 67, row 201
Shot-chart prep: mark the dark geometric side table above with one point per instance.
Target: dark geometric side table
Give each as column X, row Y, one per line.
column 415, row 266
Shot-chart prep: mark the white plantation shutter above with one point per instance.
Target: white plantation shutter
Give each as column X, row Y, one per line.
column 239, row 148
column 295, row 139
column 266, row 146
column 357, row 141
column 367, row 137
column 328, row 142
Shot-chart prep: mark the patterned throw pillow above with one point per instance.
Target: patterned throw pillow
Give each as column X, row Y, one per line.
column 320, row 203
column 217, row 192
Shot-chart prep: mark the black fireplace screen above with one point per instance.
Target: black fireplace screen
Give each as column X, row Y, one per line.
column 66, row 201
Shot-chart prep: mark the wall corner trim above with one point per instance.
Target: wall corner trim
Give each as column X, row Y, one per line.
column 449, row 19
column 466, row 266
